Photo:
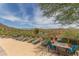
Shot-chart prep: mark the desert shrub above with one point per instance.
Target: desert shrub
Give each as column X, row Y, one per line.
column 70, row 36
column 36, row 31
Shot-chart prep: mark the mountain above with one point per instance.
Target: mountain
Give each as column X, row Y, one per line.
column 14, row 32
column 2, row 25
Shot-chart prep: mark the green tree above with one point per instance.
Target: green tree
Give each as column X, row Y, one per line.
column 65, row 13
column 36, row 31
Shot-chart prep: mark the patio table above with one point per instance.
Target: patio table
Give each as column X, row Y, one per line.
column 64, row 49
column 63, row 45
column 61, row 48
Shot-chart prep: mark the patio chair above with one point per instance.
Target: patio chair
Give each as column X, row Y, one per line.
column 51, row 46
column 72, row 50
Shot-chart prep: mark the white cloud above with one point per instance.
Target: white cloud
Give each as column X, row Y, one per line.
column 42, row 21
column 10, row 17
column 7, row 15
column 14, row 18
column 22, row 11
column 45, row 22
column 38, row 20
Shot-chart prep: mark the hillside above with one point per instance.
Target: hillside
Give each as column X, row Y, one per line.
column 6, row 31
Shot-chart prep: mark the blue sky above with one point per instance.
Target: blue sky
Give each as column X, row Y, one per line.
column 25, row 16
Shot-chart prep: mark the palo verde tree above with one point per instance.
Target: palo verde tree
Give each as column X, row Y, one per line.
column 65, row 13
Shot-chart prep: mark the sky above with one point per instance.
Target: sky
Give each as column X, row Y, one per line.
column 27, row 15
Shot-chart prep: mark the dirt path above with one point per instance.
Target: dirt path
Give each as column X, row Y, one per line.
column 2, row 52
column 13, row 47
column 17, row 48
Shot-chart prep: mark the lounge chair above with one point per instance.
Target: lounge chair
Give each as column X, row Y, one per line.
column 35, row 41
column 25, row 39
column 29, row 41
column 19, row 38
